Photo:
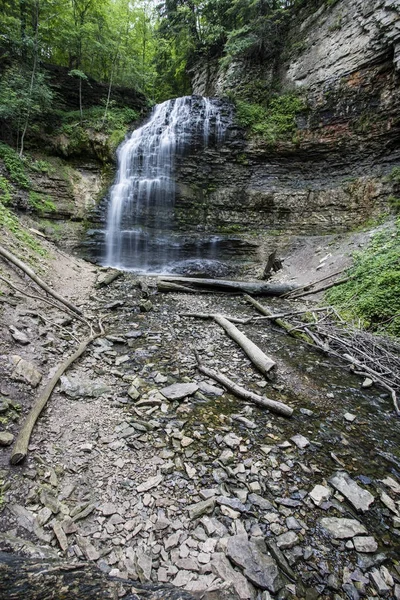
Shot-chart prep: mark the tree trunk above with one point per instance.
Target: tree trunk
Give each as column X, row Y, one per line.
column 33, row 75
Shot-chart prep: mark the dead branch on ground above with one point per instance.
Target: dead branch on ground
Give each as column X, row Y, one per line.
column 257, row 356
column 240, row 392
column 28, row 271
column 20, row 449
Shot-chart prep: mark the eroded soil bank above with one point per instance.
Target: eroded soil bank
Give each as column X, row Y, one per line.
column 202, row 490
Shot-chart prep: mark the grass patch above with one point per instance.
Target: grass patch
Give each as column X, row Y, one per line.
column 373, row 295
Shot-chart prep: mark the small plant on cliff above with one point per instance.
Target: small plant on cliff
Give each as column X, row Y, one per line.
column 6, row 190
column 271, row 122
column 9, row 222
column 373, row 293
column 394, row 175
column 40, row 203
column 15, row 166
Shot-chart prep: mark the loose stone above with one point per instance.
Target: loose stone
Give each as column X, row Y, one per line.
column 178, row 391
column 365, row 544
column 320, row 494
column 359, row 498
column 6, row 438
column 342, row 528
column 300, row 441
column 150, row 483
column 258, row 567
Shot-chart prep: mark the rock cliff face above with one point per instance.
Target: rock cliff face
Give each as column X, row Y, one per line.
column 345, row 60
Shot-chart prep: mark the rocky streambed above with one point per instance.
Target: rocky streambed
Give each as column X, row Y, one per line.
column 153, row 472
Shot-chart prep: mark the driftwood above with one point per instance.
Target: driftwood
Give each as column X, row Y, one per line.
column 240, row 392
column 368, row 372
column 279, row 321
column 371, row 356
column 166, row 286
column 20, row 449
column 211, row 316
column 322, row 289
column 307, row 286
column 273, row 264
column 258, row 288
column 257, row 356
column 28, row 271
column 40, row 578
column 41, row 299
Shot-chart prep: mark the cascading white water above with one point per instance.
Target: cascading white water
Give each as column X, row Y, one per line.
column 140, row 210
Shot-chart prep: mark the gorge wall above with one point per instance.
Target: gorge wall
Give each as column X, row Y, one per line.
column 331, row 175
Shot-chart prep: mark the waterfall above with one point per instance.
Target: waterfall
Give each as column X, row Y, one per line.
column 141, row 205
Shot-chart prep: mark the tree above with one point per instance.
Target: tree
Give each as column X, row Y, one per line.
column 80, row 75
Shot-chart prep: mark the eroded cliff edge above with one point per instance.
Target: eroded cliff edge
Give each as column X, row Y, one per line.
column 332, row 174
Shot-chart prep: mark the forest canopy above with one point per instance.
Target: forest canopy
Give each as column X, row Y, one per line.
column 145, row 45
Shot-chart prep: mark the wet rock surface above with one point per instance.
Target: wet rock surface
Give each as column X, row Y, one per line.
column 191, row 486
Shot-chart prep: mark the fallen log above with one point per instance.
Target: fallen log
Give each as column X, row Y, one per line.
column 34, row 578
column 166, row 286
column 240, row 392
column 28, row 271
column 279, row 321
column 257, row 356
column 211, row 316
column 20, row 449
column 257, row 288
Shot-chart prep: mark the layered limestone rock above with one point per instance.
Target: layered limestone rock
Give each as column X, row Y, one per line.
column 345, row 61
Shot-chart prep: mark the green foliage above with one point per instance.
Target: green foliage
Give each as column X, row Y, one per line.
column 40, row 166
column 23, row 96
column 93, row 118
column 373, row 293
column 394, row 203
column 274, row 121
column 15, row 166
column 10, row 222
column 40, row 203
column 6, row 190
column 114, row 124
column 394, row 175
column 78, row 74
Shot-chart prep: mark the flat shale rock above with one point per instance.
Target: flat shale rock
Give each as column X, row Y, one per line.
column 342, row 529
column 221, row 567
column 365, row 544
column 320, row 494
column 25, row 371
column 356, row 495
column 210, row 390
column 178, row 391
column 19, row 336
column 259, row 568
column 77, row 387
